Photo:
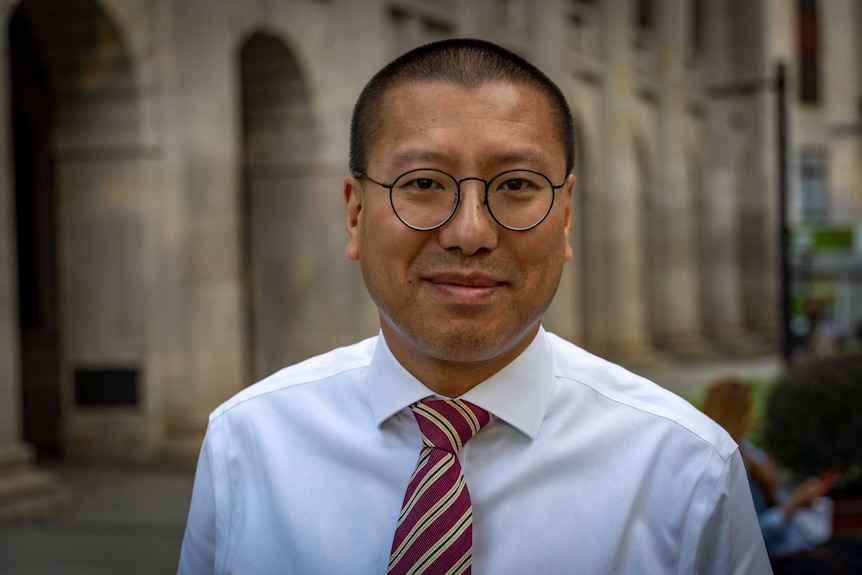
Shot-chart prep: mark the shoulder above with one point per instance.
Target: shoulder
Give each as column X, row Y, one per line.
column 635, row 398
column 340, row 364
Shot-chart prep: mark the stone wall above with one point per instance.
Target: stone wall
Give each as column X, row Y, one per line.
column 198, row 149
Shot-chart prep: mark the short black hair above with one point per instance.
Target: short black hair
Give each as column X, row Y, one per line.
column 467, row 62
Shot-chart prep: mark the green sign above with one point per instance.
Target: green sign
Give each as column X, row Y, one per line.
column 809, row 239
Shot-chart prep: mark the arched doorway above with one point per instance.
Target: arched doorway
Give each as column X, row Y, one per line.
column 279, row 144
column 32, row 128
column 80, row 223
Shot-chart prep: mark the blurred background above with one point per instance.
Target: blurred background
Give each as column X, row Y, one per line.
column 171, row 215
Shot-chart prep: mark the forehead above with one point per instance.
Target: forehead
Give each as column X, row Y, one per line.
column 487, row 123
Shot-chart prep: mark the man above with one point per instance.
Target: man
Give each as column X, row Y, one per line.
column 458, row 212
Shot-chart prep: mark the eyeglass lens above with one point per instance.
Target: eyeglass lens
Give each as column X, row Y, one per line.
column 517, row 199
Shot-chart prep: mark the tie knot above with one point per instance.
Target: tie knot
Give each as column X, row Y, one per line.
column 448, row 423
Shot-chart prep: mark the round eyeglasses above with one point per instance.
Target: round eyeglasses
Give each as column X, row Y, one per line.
column 425, row 198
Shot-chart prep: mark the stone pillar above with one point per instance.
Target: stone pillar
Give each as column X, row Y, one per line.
column 842, row 102
column 201, row 133
column 565, row 317
column 720, row 280
column 10, row 393
column 25, row 491
column 756, row 190
column 778, row 31
column 357, row 60
column 582, row 77
column 677, row 321
column 627, row 338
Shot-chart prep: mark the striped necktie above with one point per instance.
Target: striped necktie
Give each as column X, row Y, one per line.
column 434, row 535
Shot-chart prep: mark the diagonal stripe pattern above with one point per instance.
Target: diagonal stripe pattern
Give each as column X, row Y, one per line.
column 435, row 529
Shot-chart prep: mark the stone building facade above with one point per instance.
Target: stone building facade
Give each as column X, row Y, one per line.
column 171, row 216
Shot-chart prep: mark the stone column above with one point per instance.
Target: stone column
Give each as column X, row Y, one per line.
column 25, row 491
column 201, row 133
column 720, row 279
column 565, row 316
column 777, row 25
column 842, row 102
column 677, row 319
column 624, row 311
column 757, row 190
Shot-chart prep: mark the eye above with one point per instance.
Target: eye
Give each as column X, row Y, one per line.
column 515, row 184
column 519, row 182
column 423, row 184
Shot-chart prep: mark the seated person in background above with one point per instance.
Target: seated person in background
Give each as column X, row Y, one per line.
column 788, row 520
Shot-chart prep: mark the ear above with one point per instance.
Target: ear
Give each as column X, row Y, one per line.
column 569, row 188
column 353, row 213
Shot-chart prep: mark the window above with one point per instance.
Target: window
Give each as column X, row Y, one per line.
column 696, row 23
column 417, row 23
column 643, row 14
column 583, row 29
column 643, row 28
column 808, row 40
column 814, row 196
column 514, row 16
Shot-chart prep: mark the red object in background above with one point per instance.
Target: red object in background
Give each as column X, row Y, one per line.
column 828, row 478
column 846, row 514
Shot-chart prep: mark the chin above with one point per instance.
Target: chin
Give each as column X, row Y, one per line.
column 467, row 345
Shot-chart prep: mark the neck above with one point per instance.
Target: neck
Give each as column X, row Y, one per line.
column 453, row 377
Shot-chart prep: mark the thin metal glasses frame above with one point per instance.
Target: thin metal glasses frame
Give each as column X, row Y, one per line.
column 390, row 187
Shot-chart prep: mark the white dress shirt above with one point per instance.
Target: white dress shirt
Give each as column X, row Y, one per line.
column 586, row 468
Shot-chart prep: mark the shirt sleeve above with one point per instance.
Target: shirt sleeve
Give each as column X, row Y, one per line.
column 197, row 556
column 731, row 542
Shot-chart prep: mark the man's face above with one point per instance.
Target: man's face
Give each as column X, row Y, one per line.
column 470, row 293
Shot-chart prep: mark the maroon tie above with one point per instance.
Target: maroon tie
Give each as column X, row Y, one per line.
column 435, row 530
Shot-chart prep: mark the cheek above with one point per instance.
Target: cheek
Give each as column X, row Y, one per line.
column 546, row 259
column 375, row 229
column 388, row 247
column 552, row 246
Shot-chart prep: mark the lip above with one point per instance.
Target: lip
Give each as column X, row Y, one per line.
column 470, row 280
column 462, row 288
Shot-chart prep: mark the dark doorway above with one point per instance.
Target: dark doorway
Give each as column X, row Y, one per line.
column 278, row 172
column 35, row 218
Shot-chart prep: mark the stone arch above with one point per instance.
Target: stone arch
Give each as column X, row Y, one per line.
column 79, row 171
column 279, row 143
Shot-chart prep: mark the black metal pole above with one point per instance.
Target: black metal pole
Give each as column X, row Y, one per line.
column 787, row 337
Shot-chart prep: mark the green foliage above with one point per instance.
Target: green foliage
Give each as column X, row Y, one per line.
column 813, row 420
column 759, row 393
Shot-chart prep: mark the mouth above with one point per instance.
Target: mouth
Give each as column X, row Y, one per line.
column 471, row 288
column 469, row 280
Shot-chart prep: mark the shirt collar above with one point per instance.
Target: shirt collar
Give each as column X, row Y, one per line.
column 518, row 394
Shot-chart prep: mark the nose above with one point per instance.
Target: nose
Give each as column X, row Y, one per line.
column 471, row 229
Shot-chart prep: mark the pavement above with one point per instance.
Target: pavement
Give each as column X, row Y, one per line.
column 690, row 380
column 130, row 520
column 120, row 521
